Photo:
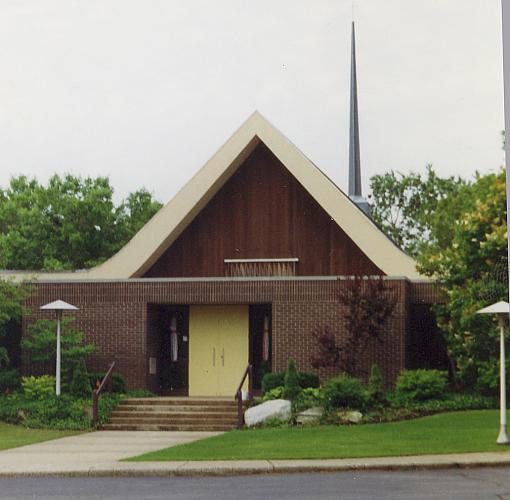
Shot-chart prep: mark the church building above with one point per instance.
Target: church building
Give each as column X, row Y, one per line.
column 242, row 266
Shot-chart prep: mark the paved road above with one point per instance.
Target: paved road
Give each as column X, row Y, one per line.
column 465, row 484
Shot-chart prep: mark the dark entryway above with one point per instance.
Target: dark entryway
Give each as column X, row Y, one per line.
column 169, row 346
column 260, row 341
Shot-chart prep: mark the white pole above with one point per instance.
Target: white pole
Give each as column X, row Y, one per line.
column 505, row 11
column 502, row 438
column 57, row 383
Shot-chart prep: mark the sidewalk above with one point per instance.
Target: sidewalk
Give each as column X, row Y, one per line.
column 98, row 454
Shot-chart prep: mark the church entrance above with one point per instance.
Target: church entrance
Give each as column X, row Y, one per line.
column 218, row 349
column 197, row 350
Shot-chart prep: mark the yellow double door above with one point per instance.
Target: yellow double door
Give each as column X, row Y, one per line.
column 218, row 349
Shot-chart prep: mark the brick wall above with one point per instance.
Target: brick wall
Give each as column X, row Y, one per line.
column 116, row 317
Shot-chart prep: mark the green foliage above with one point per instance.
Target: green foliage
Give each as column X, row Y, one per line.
column 40, row 344
column 420, row 385
column 376, row 392
column 80, row 385
column 344, row 391
column 10, row 380
column 308, row 379
column 276, row 393
column 117, row 381
column 308, row 398
column 291, row 383
column 52, row 412
column 71, row 223
column 405, row 206
column 274, row 422
column 11, row 298
column 272, row 380
column 467, row 256
column 38, row 387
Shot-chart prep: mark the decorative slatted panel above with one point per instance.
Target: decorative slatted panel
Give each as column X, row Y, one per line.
column 260, row 267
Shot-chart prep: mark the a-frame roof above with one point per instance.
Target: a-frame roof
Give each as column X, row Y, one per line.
column 137, row 256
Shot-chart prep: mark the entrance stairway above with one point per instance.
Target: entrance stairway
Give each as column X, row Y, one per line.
column 174, row 414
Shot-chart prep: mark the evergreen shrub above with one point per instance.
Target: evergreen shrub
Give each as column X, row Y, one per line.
column 10, row 381
column 80, row 385
column 291, row 386
column 344, row 391
column 376, row 391
column 421, row 385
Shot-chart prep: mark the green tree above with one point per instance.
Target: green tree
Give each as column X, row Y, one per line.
column 11, row 308
column 463, row 264
column 40, row 345
column 291, row 388
column 71, row 223
column 405, row 206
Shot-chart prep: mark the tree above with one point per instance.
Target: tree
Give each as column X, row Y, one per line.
column 40, row 344
column 405, row 205
column 368, row 304
column 71, row 223
column 11, row 308
column 464, row 265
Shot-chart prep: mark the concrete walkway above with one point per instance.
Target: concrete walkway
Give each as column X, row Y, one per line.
column 98, row 454
column 90, row 451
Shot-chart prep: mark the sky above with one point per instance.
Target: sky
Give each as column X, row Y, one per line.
column 146, row 91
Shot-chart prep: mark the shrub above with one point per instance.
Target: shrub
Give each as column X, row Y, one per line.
column 9, row 381
column 376, row 392
column 277, row 379
column 291, row 387
column 344, row 392
column 308, row 379
column 80, row 385
column 309, row 397
column 420, row 385
column 272, row 380
column 117, row 381
column 38, row 387
column 275, row 393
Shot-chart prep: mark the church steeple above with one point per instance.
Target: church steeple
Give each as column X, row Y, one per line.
column 354, row 149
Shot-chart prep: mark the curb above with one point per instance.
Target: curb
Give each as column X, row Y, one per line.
column 227, row 468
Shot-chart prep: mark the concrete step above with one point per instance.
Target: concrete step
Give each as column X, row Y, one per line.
column 166, row 427
column 174, row 415
column 165, row 421
column 180, row 401
column 178, row 409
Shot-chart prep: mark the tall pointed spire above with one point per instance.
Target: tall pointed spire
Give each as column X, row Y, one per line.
column 354, row 149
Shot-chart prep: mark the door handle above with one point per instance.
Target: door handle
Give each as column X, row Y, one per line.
column 214, row 356
column 223, row 356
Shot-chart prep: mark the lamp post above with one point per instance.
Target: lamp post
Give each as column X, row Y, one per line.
column 500, row 310
column 58, row 306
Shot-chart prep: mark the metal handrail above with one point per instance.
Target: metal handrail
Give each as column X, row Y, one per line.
column 248, row 372
column 97, row 392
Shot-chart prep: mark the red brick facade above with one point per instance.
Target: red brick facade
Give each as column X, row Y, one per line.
column 114, row 316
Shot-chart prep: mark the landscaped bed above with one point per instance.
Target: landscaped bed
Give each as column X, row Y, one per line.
column 455, row 432
column 12, row 436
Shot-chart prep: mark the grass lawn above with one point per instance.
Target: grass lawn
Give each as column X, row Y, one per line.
column 12, row 436
column 455, row 432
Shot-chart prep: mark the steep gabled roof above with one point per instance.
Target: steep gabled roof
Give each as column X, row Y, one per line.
column 135, row 258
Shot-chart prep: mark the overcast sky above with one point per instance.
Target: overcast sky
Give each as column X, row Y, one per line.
column 146, row 91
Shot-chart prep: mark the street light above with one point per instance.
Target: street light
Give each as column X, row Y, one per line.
column 500, row 310
column 58, row 306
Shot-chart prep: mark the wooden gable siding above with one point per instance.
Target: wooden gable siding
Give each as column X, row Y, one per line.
column 262, row 212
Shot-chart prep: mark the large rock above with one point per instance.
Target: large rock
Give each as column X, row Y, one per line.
column 310, row 416
column 276, row 408
column 350, row 417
